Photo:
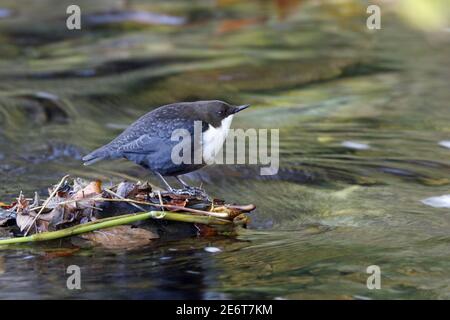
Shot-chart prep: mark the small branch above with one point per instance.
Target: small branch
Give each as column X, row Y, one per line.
column 116, row 221
column 168, row 206
column 131, row 202
column 46, row 202
column 120, row 197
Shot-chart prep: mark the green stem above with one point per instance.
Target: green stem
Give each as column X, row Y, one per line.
column 116, row 221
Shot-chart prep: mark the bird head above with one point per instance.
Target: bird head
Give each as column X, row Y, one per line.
column 214, row 111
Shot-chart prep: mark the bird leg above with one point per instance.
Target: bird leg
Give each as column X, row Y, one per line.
column 194, row 191
column 183, row 183
column 187, row 189
column 165, row 182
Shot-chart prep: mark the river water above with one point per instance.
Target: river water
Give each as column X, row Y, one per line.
column 363, row 118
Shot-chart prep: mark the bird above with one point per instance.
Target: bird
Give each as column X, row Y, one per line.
column 148, row 141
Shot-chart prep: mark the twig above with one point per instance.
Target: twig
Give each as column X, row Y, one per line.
column 131, row 202
column 46, row 202
column 120, row 197
column 161, row 205
column 70, row 201
column 92, row 207
column 168, row 206
column 117, row 221
column 136, row 202
column 160, row 200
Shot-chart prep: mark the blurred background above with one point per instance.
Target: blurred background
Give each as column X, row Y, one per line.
column 364, row 140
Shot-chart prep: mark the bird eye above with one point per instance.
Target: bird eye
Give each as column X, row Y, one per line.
column 220, row 112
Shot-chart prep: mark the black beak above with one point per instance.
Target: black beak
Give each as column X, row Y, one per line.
column 240, row 108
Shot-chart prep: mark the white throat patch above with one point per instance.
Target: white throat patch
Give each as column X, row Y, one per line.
column 213, row 139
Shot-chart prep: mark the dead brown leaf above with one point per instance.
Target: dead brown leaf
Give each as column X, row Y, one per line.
column 121, row 237
column 60, row 252
column 5, row 205
column 206, row 231
column 127, row 189
column 92, row 189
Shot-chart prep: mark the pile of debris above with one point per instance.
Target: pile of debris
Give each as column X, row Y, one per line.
column 128, row 213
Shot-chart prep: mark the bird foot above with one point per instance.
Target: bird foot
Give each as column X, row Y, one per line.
column 191, row 191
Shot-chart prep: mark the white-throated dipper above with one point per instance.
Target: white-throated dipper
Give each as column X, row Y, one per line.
column 148, row 141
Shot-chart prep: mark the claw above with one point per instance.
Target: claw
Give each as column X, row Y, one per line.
column 192, row 192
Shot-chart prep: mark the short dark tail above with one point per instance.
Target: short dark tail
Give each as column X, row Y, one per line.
column 95, row 156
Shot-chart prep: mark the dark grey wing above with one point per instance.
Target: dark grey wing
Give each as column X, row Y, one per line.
column 161, row 134
column 164, row 154
column 151, row 133
column 144, row 144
